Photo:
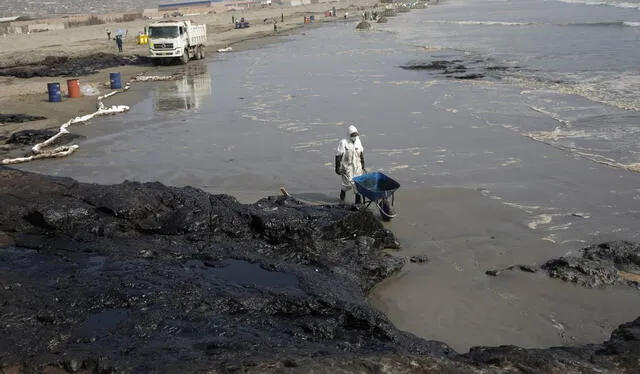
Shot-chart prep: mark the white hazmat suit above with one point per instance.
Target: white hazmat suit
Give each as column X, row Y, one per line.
column 350, row 161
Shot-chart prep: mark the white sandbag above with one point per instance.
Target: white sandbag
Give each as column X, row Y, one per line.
column 89, row 90
column 67, row 150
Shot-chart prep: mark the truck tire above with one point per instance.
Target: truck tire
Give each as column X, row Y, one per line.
column 196, row 53
column 202, row 52
column 185, row 57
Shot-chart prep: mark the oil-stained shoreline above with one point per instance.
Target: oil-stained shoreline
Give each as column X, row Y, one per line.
column 148, row 278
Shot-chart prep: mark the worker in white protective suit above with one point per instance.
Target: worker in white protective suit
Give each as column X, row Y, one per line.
column 350, row 162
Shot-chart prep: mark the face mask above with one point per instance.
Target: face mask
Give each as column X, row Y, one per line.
column 353, row 138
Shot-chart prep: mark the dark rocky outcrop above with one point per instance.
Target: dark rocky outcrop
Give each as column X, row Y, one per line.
column 419, row 259
column 527, row 268
column 620, row 354
column 364, row 25
column 471, row 68
column 63, row 66
column 383, row 20
column 139, row 278
column 19, row 118
column 599, row 265
column 32, row 137
column 443, row 65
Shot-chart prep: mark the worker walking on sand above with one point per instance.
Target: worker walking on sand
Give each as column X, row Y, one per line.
column 119, row 42
column 350, row 162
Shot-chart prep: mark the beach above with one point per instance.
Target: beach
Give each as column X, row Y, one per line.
column 29, row 96
column 484, row 183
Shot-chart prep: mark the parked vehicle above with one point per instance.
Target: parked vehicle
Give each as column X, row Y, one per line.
column 176, row 40
column 242, row 23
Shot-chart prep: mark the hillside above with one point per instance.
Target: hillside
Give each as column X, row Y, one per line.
column 43, row 8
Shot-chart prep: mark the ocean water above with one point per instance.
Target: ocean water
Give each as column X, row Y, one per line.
column 549, row 126
column 574, row 60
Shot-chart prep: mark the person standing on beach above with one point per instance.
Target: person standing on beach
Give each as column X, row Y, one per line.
column 282, row 17
column 108, row 34
column 350, row 161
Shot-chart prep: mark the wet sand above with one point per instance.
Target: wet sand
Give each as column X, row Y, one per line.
column 450, row 298
column 29, row 96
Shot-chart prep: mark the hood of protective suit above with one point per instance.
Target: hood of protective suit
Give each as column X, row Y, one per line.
column 351, row 130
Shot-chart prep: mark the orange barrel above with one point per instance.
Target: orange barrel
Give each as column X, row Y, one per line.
column 73, row 85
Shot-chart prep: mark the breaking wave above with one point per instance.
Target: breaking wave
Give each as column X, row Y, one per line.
column 619, row 91
column 620, row 4
column 551, row 138
column 483, row 23
column 617, row 140
column 604, row 24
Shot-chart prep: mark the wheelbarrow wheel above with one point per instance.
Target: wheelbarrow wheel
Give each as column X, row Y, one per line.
column 386, row 212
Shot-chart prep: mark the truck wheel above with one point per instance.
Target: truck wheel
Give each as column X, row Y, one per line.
column 201, row 52
column 185, row 57
column 197, row 54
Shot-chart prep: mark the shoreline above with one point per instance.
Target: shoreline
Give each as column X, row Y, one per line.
column 28, row 96
column 256, row 296
column 438, row 270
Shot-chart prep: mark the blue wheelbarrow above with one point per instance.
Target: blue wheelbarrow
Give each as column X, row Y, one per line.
column 377, row 188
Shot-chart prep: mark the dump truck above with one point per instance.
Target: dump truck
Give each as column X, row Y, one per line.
column 176, row 40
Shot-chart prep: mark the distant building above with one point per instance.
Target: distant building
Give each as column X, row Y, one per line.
column 5, row 24
column 206, row 6
column 246, row 4
column 188, row 4
column 9, row 19
column 302, row 2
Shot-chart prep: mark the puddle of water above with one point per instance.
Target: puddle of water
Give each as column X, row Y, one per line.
column 105, row 320
column 245, row 273
column 187, row 92
column 95, row 263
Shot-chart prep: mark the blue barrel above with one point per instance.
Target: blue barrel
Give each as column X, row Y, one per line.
column 115, row 80
column 54, row 92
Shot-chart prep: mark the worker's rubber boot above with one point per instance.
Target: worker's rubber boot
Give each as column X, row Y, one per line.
column 358, row 199
column 343, row 194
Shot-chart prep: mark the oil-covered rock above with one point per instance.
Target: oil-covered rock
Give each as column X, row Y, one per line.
column 141, row 278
